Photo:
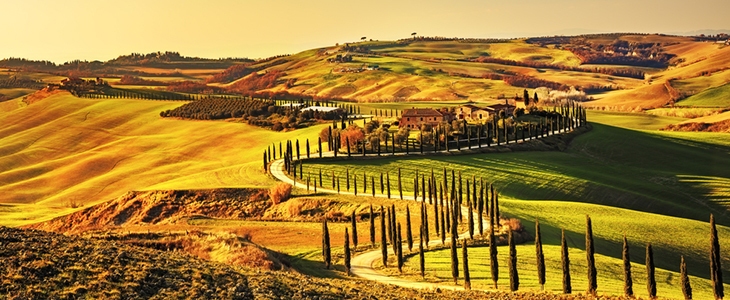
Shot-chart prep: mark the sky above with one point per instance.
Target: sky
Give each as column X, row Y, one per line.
column 66, row 30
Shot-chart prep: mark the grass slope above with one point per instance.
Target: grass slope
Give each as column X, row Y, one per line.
column 713, row 97
column 65, row 150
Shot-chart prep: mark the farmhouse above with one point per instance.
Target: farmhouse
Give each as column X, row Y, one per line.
column 507, row 108
column 415, row 117
column 473, row 113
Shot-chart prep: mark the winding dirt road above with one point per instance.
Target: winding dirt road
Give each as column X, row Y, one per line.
column 362, row 264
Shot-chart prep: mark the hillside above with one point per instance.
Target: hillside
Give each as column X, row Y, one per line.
column 43, row 265
column 63, row 152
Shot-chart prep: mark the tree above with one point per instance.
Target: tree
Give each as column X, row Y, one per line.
column 454, row 255
column 540, row 256
column 326, row 251
column 470, row 220
column 534, row 98
column 590, row 250
column 347, row 251
column 650, row 280
column 493, row 264
column 383, row 240
column 307, row 148
column 514, row 278
column 354, row 229
column 628, row 281
column 715, row 266
column 400, row 186
column 372, row 226
column 319, row 143
column 421, row 256
column 465, row 258
column 409, row 234
column 399, row 249
column 684, row 280
column 525, row 97
column 567, row 288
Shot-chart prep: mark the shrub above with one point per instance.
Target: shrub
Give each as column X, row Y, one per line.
column 280, row 192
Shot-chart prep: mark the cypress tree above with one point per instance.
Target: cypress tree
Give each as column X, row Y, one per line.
column 494, row 265
column 514, row 278
column 399, row 250
column 387, row 178
column 454, row 257
column 307, row 148
column 394, row 229
column 266, row 162
column 383, row 240
column 421, row 256
column 567, row 288
column 540, row 256
column 715, row 266
column 628, row 281
column 650, row 280
column 347, row 142
column 354, row 185
column 320, row 177
column 298, row 150
column 436, row 212
column 470, row 220
column 347, row 179
column 364, row 183
column 496, row 210
column 684, row 280
column 354, row 229
column 334, row 185
column 409, row 234
column 319, row 142
column 372, row 227
column 382, row 185
column 443, row 227
column 480, row 208
column 448, row 216
column 400, row 186
column 592, row 280
column 465, row 258
column 326, row 251
column 415, row 188
column 347, row 251
column 425, row 222
column 372, row 185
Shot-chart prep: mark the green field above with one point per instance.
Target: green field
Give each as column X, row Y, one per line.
column 653, row 186
column 713, row 97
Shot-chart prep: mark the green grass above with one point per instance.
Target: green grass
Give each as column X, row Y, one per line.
column 16, row 92
column 713, row 97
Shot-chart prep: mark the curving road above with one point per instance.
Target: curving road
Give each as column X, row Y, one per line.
column 362, row 264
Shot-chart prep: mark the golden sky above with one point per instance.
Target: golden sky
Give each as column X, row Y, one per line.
column 100, row 30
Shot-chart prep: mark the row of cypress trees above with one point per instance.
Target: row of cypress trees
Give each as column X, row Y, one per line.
column 394, row 236
column 571, row 117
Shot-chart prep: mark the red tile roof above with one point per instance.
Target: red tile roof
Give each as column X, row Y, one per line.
column 421, row 112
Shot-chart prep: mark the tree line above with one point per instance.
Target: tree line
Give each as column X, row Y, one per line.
column 390, row 233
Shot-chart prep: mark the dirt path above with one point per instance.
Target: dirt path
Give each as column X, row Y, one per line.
column 362, row 264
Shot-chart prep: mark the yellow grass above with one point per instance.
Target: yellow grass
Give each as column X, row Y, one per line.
column 65, row 150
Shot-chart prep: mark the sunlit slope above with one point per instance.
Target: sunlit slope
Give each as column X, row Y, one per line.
column 670, row 237
column 676, row 174
column 65, row 150
column 426, row 70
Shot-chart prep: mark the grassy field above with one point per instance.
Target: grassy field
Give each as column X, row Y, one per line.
column 713, row 97
column 653, row 186
column 65, row 151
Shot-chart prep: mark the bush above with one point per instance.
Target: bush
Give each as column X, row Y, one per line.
column 280, row 192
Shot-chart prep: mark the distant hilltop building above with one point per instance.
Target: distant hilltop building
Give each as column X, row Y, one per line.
column 473, row 113
column 413, row 118
column 321, row 108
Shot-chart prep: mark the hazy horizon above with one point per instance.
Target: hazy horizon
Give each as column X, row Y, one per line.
column 92, row 30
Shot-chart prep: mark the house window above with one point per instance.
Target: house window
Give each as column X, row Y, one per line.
column 480, row 116
column 408, row 119
column 421, row 118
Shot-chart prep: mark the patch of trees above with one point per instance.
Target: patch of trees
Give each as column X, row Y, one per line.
column 135, row 80
column 600, row 58
column 532, row 82
column 216, row 108
column 193, row 87
column 232, row 73
column 19, row 82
